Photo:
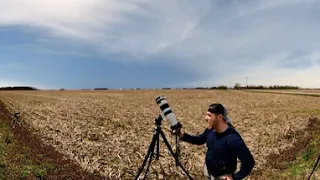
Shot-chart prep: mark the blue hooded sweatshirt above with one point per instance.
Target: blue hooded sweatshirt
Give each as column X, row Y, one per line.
column 223, row 150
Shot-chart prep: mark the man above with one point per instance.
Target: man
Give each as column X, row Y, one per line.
column 224, row 145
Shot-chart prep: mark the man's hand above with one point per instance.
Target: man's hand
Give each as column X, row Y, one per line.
column 226, row 177
column 178, row 132
column 181, row 135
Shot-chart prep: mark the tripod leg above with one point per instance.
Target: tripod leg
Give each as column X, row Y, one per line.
column 178, row 151
column 173, row 154
column 151, row 155
column 157, row 157
column 150, row 150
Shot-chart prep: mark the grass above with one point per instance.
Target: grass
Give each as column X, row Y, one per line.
column 285, row 92
column 304, row 163
column 23, row 156
column 314, row 111
column 305, row 151
column 38, row 170
column 2, row 166
column 15, row 161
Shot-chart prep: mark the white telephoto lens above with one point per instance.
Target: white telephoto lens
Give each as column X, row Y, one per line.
column 166, row 110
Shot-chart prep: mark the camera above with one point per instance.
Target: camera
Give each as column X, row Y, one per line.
column 166, row 113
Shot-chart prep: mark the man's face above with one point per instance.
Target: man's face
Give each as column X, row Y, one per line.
column 212, row 120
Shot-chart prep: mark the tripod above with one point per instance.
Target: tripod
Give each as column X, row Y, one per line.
column 154, row 142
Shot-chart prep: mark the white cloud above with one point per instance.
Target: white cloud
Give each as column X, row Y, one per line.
column 7, row 83
column 11, row 83
column 265, row 75
column 112, row 25
column 222, row 41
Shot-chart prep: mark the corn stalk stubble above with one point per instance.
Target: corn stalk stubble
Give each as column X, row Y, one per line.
column 110, row 131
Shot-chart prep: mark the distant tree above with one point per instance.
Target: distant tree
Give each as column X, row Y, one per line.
column 200, row 88
column 237, row 86
column 222, row 87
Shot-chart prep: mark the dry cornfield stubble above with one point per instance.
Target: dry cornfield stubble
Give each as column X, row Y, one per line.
column 110, row 131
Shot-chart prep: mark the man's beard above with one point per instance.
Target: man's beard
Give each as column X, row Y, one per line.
column 213, row 125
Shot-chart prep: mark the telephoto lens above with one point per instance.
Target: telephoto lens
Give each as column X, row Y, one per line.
column 167, row 112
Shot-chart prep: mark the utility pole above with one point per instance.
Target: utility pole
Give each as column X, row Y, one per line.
column 246, row 82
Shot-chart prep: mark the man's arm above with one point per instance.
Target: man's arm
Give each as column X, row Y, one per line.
column 199, row 140
column 240, row 149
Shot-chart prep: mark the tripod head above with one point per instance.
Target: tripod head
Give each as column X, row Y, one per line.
column 158, row 120
column 174, row 129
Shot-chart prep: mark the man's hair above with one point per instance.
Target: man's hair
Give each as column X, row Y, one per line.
column 218, row 108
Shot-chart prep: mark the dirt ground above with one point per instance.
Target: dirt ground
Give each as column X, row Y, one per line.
column 109, row 131
column 28, row 144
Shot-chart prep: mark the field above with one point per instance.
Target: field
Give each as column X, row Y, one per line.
column 314, row 92
column 110, row 131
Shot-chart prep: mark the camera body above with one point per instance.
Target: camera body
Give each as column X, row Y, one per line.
column 166, row 113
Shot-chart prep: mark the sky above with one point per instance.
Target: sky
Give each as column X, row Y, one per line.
column 77, row 44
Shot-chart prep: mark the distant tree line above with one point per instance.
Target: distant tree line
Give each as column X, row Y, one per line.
column 17, row 88
column 223, row 87
column 213, row 87
column 238, row 86
column 100, row 89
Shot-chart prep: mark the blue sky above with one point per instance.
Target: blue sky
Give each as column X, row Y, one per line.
column 79, row 44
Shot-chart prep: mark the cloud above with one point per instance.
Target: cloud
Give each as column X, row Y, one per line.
column 268, row 73
column 118, row 26
column 8, row 83
column 12, row 74
column 222, row 41
column 11, row 83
